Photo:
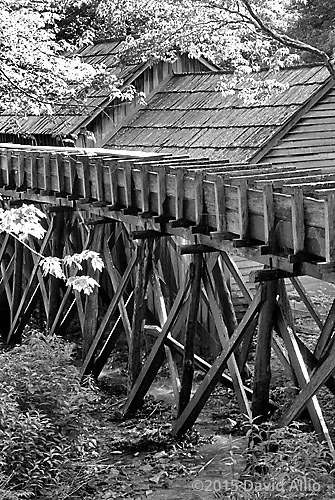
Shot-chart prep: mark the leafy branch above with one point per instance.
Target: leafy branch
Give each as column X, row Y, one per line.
column 25, row 221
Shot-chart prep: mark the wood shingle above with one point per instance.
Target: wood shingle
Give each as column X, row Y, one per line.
column 189, row 115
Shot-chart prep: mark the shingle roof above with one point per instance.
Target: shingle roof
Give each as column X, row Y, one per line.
column 68, row 119
column 190, row 116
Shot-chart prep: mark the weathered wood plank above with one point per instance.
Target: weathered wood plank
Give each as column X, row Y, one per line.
column 191, row 412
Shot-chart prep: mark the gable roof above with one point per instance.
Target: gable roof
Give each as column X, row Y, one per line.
column 190, row 116
column 66, row 119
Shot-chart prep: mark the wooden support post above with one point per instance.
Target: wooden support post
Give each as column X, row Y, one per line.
column 269, row 217
column 262, row 372
column 220, row 205
column 156, row 356
column 92, row 301
column 162, row 315
column 144, row 251
column 89, row 360
column 17, row 278
column 301, row 373
column 190, row 332
column 330, row 227
column 191, row 412
column 110, row 343
column 200, row 363
column 298, row 221
column 224, row 339
column 57, row 251
column 115, row 278
column 327, row 333
column 304, row 297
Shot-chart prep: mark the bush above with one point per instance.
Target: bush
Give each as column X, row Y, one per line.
column 41, row 401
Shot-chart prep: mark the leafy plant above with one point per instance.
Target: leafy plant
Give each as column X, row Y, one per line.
column 25, row 221
column 41, row 403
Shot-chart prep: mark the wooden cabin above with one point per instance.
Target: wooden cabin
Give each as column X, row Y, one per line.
column 101, row 114
column 189, row 116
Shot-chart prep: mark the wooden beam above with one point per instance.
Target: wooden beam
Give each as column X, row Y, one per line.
column 91, row 311
column 88, row 362
column 326, row 333
column 156, row 356
column 190, row 332
column 262, row 369
column 191, row 412
column 317, row 378
column 304, row 297
column 143, row 267
column 302, row 375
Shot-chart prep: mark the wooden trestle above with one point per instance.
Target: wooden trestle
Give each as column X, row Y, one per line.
column 168, row 229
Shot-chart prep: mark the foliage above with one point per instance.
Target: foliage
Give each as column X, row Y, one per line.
column 41, row 403
column 313, row 22
column 284, row 463
column 25, row 221
column 37, row 71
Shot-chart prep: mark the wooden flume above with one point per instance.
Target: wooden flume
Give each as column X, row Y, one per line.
column 168, row 229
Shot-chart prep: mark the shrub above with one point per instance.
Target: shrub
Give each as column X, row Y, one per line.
column 41, row 401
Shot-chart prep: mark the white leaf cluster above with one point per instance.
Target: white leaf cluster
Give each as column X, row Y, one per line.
column 22, row 221
column 84, row 284
column 53, row 266
column 76, row 260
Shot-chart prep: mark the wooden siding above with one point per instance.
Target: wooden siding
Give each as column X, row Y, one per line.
column 311, row 143
column 189, row 116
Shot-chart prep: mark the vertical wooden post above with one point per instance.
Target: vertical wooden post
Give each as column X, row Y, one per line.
column 191, row 327
column 144, row 250
column 17, row 284
column 90, row 323
column 330, row 227
column 57, row 251
column 262, row 373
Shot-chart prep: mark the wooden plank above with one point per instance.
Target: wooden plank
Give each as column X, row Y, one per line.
column 243, row 210
column 262, row 371
column 144, row 258
column 179, row 190
column 317, row 378
column 113, row 181
column 191, row 412
column 115, row 278
column 57, row 252
column 161, row 190
column 298, row 221
column 145, row 189
column 200, row 363
column 110, row 342
column 304, row 297
column 224, row 339
column 302, row 375
column 91, row 311
column 220, row 205
column 330, row 228
column 269, row 216
column 156, row 356
column 190, row 332
column 88, row 362
column 326, row 333
column 160, row 307
column 28, row 286
column 198, row 197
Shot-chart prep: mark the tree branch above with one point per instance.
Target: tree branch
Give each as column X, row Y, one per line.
column 287, row 41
